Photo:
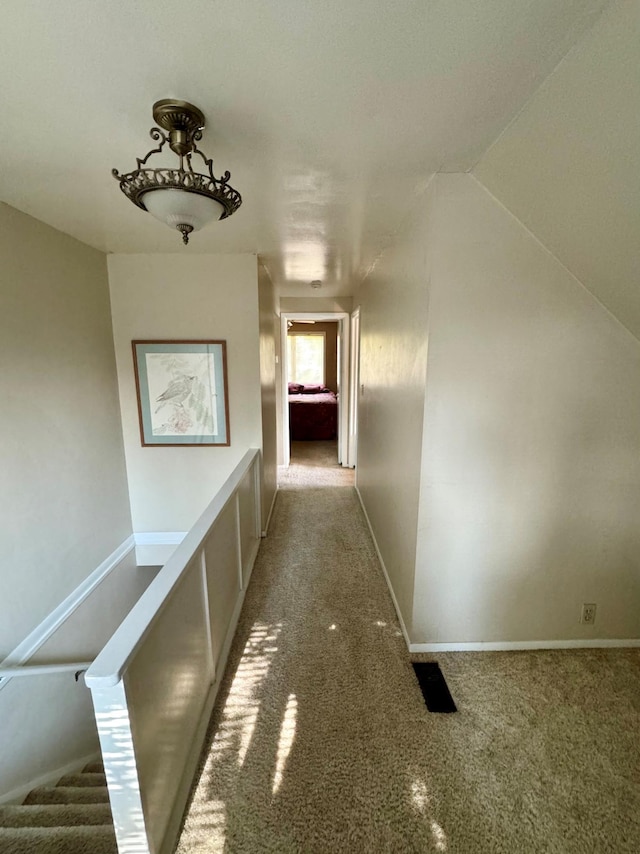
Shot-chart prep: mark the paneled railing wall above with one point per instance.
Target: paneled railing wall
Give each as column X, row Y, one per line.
column 154, row 683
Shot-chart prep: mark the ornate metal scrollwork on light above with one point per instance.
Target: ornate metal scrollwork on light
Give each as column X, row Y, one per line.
column 180, row 197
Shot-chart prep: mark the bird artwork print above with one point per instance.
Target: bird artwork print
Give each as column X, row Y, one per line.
column 182, row 393
column 176, row 392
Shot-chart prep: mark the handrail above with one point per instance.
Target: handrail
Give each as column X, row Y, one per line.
column 43, row 669
column 110, row 665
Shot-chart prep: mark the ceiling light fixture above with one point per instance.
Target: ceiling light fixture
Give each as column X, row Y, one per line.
column 180, row 197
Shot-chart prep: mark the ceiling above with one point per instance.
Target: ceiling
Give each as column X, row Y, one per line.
column 569, row 166
column 331, row 115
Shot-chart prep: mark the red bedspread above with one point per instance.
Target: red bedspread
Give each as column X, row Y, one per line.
column 313, row 416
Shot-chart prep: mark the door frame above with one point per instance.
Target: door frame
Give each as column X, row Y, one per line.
column 343, row 320
column 354, row 382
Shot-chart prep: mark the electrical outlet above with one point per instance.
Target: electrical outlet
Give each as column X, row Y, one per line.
column 588, row 613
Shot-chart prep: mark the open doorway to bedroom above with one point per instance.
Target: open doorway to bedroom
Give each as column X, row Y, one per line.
column 315, row 383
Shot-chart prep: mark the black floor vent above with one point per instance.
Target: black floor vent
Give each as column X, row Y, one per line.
column 434, row 688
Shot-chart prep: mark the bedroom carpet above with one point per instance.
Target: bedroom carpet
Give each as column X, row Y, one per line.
column 321, row 742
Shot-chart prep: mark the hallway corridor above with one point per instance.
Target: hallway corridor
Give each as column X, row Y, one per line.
column 320, row 741
column 315, row 747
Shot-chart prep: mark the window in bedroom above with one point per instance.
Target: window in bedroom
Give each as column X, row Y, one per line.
column 306, row 357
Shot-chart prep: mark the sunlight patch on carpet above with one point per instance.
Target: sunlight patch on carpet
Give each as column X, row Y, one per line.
column 421, row 801
column 241, row 709
column 285, row 742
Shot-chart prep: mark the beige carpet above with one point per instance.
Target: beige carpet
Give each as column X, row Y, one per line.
column 72, row 817
column 320, row 741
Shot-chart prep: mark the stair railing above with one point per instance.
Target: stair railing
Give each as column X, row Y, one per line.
column 154, row 683
column 76, row 667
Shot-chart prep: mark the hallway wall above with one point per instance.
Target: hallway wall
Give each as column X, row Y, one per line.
column 184, row 297
column 530, row 495
column 512, row 496
column 269, row 322
column 393, row 361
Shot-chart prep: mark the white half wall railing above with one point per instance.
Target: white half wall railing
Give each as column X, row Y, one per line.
column 155, row 682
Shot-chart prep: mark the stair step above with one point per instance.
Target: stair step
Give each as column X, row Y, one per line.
column 67, row 795
column 54, row 815
column 96, row 767
column 99, row 839
column 83, row 780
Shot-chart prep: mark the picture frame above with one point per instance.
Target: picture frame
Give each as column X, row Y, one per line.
column 182, row 392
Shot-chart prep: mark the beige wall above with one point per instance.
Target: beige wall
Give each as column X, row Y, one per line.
column 63, row 504
column 393, row 359
column 269, row 321
column 530, row 495
column 181, row 296
column 331, row 348
column 501, row 476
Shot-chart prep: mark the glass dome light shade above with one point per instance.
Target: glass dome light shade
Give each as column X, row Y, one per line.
column 179, row 207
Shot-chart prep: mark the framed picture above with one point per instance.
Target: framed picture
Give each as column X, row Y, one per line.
column 182, row 392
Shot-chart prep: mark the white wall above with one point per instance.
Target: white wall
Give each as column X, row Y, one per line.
column 269, row 322
column 393, row 360
column 318, row 303
column 63, row 504
column 183, row 297
column 530, row 496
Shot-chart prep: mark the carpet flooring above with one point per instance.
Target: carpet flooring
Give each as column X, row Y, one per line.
column 72, row 817
column 321, row 742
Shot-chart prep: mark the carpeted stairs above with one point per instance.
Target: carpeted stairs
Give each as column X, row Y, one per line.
column 73, row 817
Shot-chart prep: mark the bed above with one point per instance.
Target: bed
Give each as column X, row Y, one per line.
column 313, row 412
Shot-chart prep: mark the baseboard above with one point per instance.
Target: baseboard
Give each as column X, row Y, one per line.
column 174, row 824
column 505, row 646
column 384, row 571
column 17, row 796
column 52, row 622
column 268, row 522
column 489, row 646
column 154, row 548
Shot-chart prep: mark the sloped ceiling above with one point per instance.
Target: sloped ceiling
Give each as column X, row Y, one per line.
column 330, row 114
column 569, row 165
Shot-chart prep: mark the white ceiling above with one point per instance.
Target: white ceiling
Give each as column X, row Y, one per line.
column 569, row 166
column 330, row 114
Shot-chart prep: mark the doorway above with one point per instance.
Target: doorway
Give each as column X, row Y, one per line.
column 314, row 326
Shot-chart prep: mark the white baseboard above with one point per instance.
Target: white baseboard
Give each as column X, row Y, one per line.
column 384, row 571
column 17, row 796
column 268, row 522
column 52, row 622
column 490, row 646
column 154, row 548
column 505, row 646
